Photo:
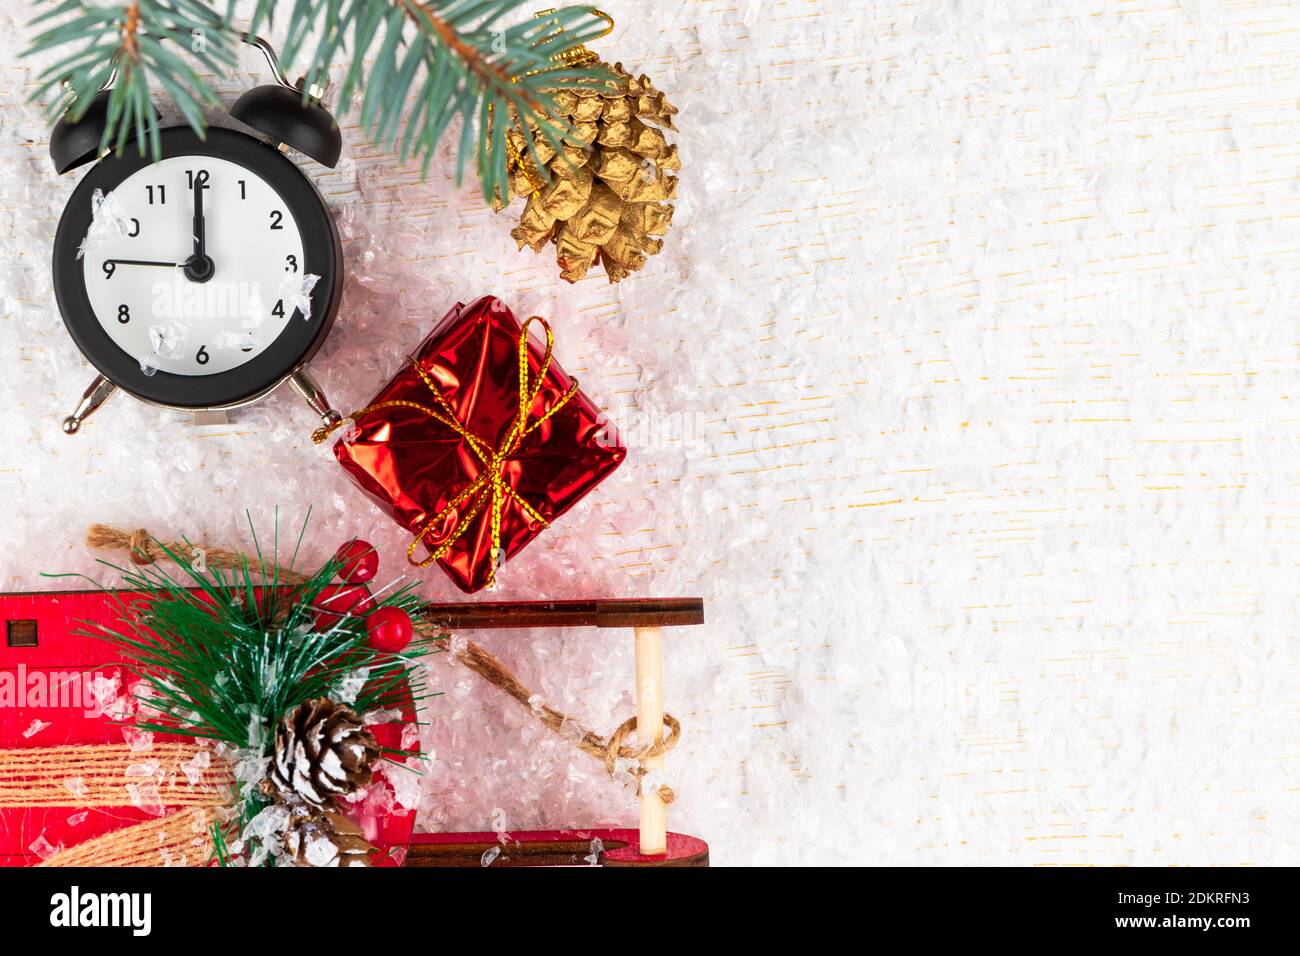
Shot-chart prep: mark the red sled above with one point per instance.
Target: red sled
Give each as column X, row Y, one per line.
column 41, row 649
column 52, row 672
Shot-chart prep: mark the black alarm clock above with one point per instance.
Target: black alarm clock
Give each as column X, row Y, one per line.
column 206, row 278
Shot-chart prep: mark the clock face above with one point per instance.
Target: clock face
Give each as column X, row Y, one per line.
column 157, row 302
column 201, row 280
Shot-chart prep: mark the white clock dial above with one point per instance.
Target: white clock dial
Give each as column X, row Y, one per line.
column 150, row 289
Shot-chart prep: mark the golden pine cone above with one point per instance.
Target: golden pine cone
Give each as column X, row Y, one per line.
column 323, row 751
column 605, row 195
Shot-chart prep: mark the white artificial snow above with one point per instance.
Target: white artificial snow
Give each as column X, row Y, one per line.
column 43, row 848
column 295, row 290
column 411, row 739
column 258, row 732
column 112, row 701
column 264, row 834
column 138, row 741
column 250, row 768
column 499, row 826
column 350, row 685
column 107, row 221
column 348, row 431
column 194, row 767
column 268, row 825
column 963, row 392
column 655, row 779
column 34, row 728
column 146, row 797
column 406, row 784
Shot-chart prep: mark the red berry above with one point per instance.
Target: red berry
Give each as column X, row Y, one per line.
column 360, row 561
column 354, row 599
column 389, row 629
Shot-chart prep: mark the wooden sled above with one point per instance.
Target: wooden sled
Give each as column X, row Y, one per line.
column 651, row 844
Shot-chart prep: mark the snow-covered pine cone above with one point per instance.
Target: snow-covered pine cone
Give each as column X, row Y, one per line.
column 325, row 838
column 323, row 752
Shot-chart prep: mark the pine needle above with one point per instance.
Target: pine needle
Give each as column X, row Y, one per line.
column 415, row 67
column 223, row 655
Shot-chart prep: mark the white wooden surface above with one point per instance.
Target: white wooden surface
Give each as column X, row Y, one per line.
column 965, row 392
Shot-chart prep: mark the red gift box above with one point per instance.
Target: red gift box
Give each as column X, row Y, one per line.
column 479, row 443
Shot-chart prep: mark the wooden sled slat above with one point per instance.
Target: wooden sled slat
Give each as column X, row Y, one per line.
column 551, row 848
column 610, row 612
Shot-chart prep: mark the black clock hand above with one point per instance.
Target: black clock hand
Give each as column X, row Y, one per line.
column 199, row 239
column 199, row 267
column 110, row 265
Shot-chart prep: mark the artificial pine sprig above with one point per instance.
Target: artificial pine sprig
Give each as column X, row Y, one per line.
column 224, row 655
column 132, row 45
column 415, row 66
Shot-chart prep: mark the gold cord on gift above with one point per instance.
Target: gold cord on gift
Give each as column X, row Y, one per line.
column 489, row 490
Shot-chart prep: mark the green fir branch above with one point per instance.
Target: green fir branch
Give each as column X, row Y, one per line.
column 411, row 68
column 131, row 45
column 224, row 654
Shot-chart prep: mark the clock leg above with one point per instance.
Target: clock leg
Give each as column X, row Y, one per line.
column 306, row 386
column 98, row 392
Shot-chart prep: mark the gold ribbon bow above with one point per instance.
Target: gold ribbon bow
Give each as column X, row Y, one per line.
column 489, row 489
